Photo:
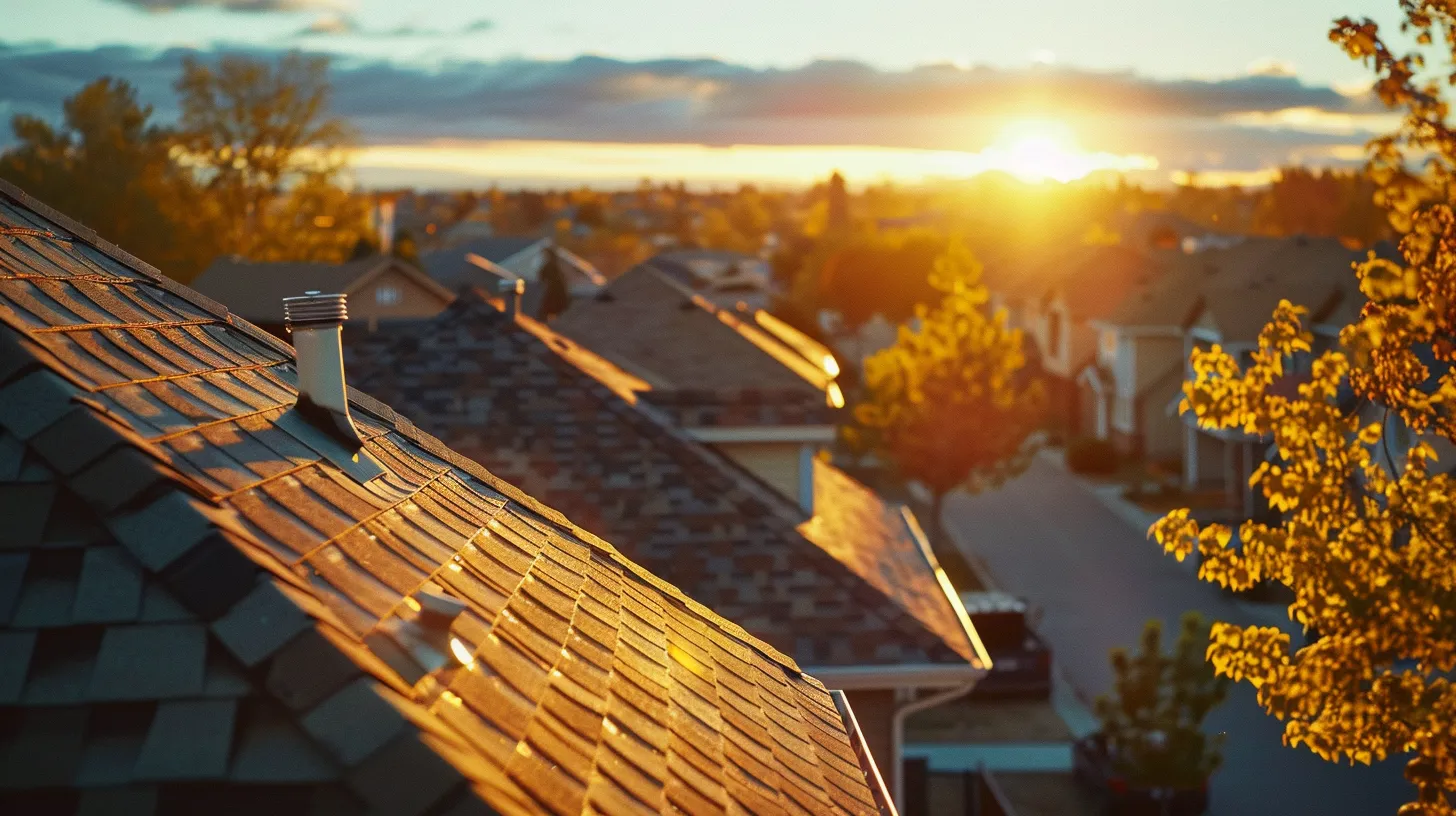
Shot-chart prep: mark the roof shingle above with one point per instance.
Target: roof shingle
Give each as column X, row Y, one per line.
column 262, row 504
column 570, row 427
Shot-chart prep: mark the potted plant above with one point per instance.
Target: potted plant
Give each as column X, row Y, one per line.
column 1151, row 756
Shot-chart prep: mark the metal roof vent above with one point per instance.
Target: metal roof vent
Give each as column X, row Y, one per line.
column 315, row 320
column 416, row 641
column 511, row 290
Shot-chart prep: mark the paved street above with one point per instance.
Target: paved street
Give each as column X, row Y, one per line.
column 1047, row 537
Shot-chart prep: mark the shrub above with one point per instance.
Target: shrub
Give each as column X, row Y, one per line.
column 1089, row 455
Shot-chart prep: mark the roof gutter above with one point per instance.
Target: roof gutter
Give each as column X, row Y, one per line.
column 763, row 433
column 901, row 675
column 897, row 729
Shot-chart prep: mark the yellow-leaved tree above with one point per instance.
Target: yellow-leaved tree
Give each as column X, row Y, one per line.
column 949, row 403
column 1367, row 533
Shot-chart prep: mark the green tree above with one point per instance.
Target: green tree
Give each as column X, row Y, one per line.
column 1153, row 720
column 1367, row 540
column 108, row 167
column 261, row 139
column 948, row 403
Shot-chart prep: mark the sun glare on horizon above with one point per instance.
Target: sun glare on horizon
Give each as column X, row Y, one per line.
column 1037, row 150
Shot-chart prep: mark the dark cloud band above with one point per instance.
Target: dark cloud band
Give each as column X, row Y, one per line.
column 714, row 102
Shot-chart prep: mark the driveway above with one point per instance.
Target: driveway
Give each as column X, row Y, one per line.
column 1098, row 579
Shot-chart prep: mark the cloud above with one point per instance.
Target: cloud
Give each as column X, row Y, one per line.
column 329, row 24
column 337, row 24
column 1248, row 121
column 231, row 5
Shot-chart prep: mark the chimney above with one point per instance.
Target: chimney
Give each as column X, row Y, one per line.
column 316, row 321
column 386, row 226
column 511, row 291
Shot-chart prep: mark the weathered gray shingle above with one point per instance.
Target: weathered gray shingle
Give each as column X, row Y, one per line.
column 150, row 662
column 189, row 739
column 110, row 588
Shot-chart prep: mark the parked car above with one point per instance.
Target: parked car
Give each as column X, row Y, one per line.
column 1092, row 766
column 1021, row 662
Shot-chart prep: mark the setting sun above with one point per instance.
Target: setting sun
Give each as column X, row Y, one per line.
column 1038, row 150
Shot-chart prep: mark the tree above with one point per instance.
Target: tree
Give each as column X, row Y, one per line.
column 554, row 295
column 1367, row 540
column 1153, row 723
column 948, row 403
column 253, row 131
column 108, row 167
column 838, row 198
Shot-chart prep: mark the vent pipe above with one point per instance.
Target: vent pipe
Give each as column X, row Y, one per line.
column 511, row 291
column 316, row 320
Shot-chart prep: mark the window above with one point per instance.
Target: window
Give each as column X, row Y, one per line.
column 387, row 295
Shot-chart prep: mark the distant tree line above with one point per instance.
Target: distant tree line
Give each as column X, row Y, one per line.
column 252, row 166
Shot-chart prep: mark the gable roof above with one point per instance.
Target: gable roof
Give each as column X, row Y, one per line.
column 1094, row 280
column 254, row 290
column 659, row 330
column 197, row 607
column 567, row 426
column 1170, row 300
column 451, row 268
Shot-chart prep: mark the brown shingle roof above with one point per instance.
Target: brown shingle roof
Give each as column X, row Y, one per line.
column 1095, row 280
column 660, row 331
column 1186, row 277
column 565, row 425
column 212, row 616
column 253, row 290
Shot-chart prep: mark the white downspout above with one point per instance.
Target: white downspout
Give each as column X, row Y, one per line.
column 897, row 732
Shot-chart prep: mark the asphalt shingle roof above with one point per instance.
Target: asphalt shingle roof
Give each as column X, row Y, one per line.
column 213, row 618
column 659, row 330
column 253, row 290
column 852, row 588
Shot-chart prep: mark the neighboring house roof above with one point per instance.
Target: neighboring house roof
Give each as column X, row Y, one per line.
column 1170, row 300
column 200, row 612
column 1317, row 273
column 661, row 331
column 254, row 290
column 1094, row 280
column 568, row 426
column 452, row 268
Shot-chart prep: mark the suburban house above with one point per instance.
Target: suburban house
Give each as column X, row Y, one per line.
column 836, row 578
column 485, row 262
column 1139, row 367
column 380, row 288
column 230, row 584
column 757, row 390
column 725, row 278
column 1082, row 286
column 1316, row 273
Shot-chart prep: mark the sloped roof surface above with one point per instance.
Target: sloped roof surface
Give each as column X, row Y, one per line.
column 1095, row 280
column 449, row 267
column 660, row 331
column 884, row 545
column 567, row 426
column 1187, row 277
column 254, row 290
column 199, row 612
